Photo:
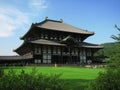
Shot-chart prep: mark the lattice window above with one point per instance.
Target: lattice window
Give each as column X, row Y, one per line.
column 37, row 61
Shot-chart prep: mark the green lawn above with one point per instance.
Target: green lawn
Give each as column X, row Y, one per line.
column 77, row 77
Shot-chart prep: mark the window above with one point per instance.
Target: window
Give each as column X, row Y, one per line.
column 37, row 50
column 46, row 36
column 49, row 49
column 44, row 49
column 44, row 61
column 83, row 56
column 79, row 39
column 49, row 56
column 76, row 51
column 51, row 38
column 42, row 36
column 73, row 52
column 37, row 61
column 49, row 61
column 54, row 50
column 46, row 58
column 89, row 52
column 55, row 38
column 59, row 51
column 60, row 38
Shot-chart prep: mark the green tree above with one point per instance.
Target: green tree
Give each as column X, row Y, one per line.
column 109, row 80
column 117, row 38
column 114, row 62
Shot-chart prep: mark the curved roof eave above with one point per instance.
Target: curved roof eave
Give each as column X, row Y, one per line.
column 92, row 33
column 32, row 25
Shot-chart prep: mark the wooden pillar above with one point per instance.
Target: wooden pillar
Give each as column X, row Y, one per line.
column 70, row 55
column 79, row 55
column 52, row 55
column 61, row 55
column 41, row 54
column 86, row 55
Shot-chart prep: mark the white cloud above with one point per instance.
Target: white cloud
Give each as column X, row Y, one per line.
column 10, row 20
column 38, row 4
column 13, row 16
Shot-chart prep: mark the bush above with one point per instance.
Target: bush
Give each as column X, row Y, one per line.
column 109, row 80
column 1, row 71
column 30, row 81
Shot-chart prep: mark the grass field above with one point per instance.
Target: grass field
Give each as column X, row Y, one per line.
column 77, row 77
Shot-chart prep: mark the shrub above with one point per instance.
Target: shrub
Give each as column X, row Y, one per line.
column 30, row 81
column 1, row 71
column 109, row 80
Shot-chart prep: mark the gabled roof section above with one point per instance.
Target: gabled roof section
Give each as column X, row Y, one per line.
column 27, row 45
column 55, row 43
column 69, row 40
column 15, row 58
column 47, row 42
column 23, row 47
column 60, row 26
column 27, row 31
column 90, row 45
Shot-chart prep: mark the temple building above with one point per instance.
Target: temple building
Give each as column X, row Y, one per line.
column 51, row 41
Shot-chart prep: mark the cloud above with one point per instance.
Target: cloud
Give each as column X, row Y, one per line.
column 13, row 18
column 10, row 20
column 38, row 4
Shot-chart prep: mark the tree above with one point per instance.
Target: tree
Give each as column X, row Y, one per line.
column 109, row 80
column 115, row 58
column 116, row 37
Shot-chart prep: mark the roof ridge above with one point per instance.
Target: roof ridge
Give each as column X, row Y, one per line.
column 53, row 20
column 46, row 21
column 78, row 28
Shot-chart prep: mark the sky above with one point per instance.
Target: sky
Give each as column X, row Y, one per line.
column 16, row 17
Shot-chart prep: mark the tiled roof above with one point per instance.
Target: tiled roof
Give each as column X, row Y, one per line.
column 49, row 42
column 16, row 57
column 56, row 43
column 90, row 45
column 46, row 42
column 60, row 26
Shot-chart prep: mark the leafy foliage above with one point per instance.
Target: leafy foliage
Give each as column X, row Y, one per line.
column 117, row 38
column 111, row 79
column 30, row 81
column 1, row 72
column 106, row 81
column 114, row 62
column 108, row 50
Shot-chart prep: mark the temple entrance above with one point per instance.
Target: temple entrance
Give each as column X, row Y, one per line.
column 66, row 59
column 61, row 60
column 75, row 60
column 56, row 59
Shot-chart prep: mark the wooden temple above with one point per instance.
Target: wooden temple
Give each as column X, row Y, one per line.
column 50, row 42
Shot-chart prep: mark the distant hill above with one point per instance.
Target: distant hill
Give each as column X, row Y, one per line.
column 109, row 49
